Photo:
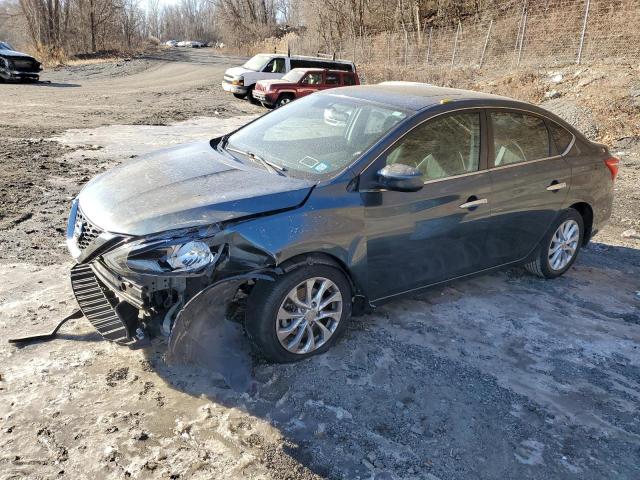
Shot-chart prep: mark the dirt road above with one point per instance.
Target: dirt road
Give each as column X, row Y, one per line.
column 501, row 376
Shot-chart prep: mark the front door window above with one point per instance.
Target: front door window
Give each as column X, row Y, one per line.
column 443, row 147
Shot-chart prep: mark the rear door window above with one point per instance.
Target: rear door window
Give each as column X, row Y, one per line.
column 332, row 78
column 562, row 138
column 518, row 137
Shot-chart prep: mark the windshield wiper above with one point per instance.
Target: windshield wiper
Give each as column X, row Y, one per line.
column 270, row 166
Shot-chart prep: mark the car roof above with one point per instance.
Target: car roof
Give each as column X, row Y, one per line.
column 307, row 57
column 419, row 96
column 317, row 69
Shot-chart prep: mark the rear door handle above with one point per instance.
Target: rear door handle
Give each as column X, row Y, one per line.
column 474, row 203
column 554, row 187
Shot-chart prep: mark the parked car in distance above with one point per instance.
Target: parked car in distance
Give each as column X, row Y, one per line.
column 407, row 186
column 18, row 66
column 171, row 43
column 266, row 66
column 300, row 82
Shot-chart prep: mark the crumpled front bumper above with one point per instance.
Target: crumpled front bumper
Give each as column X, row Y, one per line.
column 18, row 75
column 101, row 307
column 112, row 305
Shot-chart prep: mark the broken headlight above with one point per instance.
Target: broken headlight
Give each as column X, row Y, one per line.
column 170, row 256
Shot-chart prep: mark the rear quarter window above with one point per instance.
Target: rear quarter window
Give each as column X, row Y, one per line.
column 561, row 137
column 348, row 79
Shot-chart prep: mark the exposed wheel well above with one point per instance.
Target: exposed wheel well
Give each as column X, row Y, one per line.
column 285, row 95
column 361, row 304
column 585, row 210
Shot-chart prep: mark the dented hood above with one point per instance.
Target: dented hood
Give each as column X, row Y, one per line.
column 186, row 186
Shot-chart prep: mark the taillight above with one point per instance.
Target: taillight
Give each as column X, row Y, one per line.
column 613, row 164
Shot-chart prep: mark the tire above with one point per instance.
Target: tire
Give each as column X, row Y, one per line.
column 240, row 96
column 268, row 300
column 543, row 263
column 250, row 96
column 284, row 99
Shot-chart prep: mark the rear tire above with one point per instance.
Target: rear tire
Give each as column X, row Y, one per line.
column 559, row 248
column 271, row 311
column 240, row 96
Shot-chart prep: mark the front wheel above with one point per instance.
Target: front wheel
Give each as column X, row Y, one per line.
column 559, row 248
column 240, row 96
column 283, row 100
column 300, row 314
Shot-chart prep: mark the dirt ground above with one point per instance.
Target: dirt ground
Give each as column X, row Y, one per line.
column 498, row 377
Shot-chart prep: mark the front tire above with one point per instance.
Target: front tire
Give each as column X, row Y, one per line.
column 250, row 97
column 284, row 99
column 559, row 248
column 300, row 314
column 240, row 96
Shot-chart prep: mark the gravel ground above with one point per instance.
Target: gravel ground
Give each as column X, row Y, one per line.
column 500, row 376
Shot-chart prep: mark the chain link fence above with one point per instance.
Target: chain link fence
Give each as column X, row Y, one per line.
column 534, row 33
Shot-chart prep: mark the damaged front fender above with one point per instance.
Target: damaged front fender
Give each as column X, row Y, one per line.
column 203, row 335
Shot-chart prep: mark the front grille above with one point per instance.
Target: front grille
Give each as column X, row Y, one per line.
column 228, row 78
column 24, row 64
column 85, row 232
column 96, row 306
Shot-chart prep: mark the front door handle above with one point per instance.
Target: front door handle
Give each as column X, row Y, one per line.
column 474, row 203
column 555, row 186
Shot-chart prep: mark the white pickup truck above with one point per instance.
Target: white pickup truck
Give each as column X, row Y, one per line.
column 265, row 66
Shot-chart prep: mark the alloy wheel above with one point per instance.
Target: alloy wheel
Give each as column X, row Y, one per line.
column 309, row 315
column 564, row 245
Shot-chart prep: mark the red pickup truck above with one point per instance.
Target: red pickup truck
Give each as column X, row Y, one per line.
column 300, row 82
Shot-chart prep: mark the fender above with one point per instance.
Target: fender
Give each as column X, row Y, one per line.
column 202, row 335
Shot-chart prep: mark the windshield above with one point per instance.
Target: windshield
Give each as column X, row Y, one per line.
column 316, row 136
column 5, row 46
column 257, row 63
column 294, row 75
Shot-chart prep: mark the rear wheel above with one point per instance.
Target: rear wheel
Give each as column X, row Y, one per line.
column 300, row 314
column 559, row 248
column 241, row 96
column 284, row 99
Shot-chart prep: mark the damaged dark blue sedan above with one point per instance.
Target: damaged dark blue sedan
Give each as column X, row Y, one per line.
column 330, row 206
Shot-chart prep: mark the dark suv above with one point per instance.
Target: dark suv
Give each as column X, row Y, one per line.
column 330, row 206
column 300, row 82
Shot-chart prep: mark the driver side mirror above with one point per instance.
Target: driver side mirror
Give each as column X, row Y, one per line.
column 400, row 178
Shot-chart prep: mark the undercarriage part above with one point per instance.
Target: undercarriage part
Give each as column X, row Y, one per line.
column 47, row 336
column 202, row 334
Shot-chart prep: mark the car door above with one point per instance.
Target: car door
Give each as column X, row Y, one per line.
column 529, row 183
column 310, row 83
column 415, row 239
